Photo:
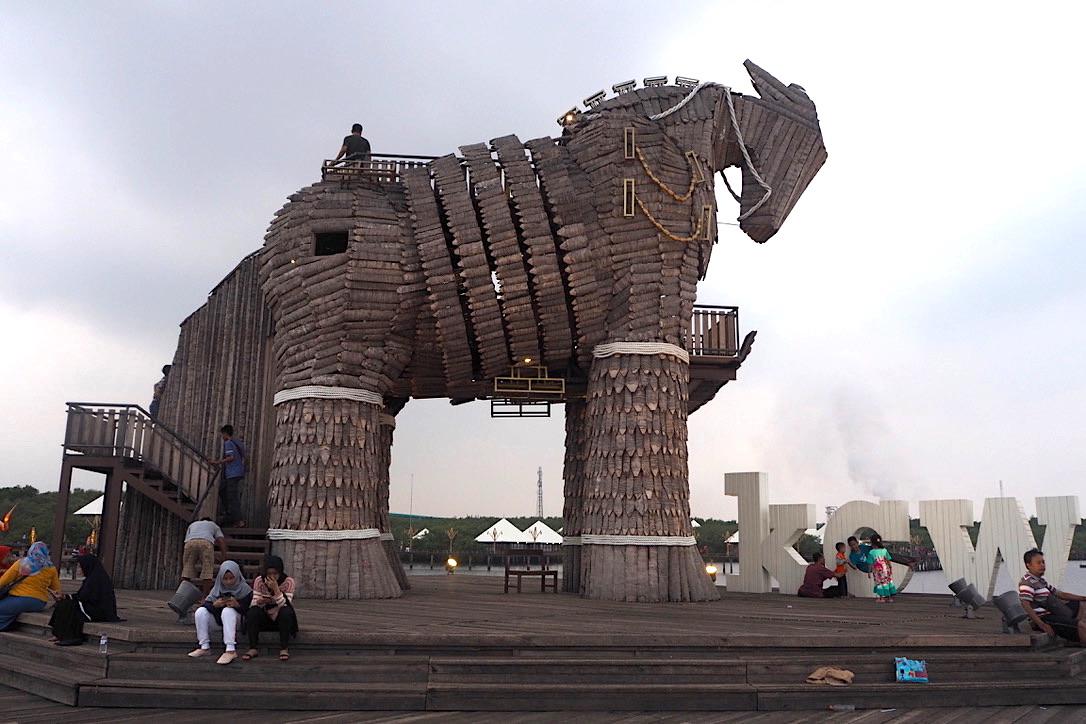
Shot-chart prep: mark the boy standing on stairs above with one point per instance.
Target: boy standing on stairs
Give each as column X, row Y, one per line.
column 230, row 489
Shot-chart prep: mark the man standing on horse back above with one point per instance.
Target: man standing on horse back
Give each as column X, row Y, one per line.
column 355, row 147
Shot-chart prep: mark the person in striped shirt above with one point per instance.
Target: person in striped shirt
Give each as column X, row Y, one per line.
column 1055, row 612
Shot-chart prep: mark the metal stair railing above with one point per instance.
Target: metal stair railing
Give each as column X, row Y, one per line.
column 129, row 431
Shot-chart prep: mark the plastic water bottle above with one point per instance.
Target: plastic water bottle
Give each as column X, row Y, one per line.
column 103, row 644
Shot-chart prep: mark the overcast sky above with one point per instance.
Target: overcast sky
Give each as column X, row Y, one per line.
column 920, row 316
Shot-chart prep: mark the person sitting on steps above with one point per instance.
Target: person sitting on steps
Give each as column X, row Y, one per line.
column 225, row 606
column 32, row 583
column 272, row 609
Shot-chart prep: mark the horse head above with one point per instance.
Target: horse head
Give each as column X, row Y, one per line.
column 777, row 142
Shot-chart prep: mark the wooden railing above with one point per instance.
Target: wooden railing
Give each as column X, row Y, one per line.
column 382, row 167
column 714, row 331
column 128, row 431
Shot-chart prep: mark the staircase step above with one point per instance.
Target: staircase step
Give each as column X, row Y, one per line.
column 308, row 667
column 33, row 644
column 1043, row 692
column 59, row 684
column 637, row 696
column 154, row 693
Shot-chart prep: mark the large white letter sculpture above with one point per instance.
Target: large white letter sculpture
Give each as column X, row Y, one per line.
column 766, row 536
column 1005, row 535
column 890, row 519
column 751, row 490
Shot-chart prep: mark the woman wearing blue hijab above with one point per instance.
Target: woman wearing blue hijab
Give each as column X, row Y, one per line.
column 29, row 585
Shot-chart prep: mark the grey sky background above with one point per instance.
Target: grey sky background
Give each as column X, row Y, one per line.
column 920, row 315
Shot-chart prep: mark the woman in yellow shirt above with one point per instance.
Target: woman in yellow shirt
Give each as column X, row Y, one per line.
column 36, row 583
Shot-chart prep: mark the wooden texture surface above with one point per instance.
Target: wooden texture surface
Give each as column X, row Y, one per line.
column 456, row 269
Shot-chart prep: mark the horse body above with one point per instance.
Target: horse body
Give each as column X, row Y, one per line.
column 576, row 252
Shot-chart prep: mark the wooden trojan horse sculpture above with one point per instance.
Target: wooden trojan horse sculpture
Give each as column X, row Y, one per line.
column 582, row 253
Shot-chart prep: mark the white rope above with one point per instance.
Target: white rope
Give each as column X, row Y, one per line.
column 746, row 157
column 322, row 392
column 638, row 540
column 387, row 536
column 358, row 534
column 613, row 348
column 572, row 540
column 689, row 97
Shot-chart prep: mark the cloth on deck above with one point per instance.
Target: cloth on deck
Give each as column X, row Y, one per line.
column 830, row 675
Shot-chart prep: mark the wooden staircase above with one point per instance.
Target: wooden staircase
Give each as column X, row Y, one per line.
column 247, row 547
column 132, row 448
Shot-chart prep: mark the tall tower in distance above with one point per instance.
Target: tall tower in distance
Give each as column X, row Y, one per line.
column 539, row 495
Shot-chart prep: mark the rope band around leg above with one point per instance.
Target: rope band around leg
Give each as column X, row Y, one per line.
column 322, row 392
column 590, row 539
column 357, row 534
column 612, row 348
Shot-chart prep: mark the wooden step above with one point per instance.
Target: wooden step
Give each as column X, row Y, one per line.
column 591, row 697
column 226, row 694
column 56, row 683
column 303, row 668
column 1043, row 692
column 32, row 644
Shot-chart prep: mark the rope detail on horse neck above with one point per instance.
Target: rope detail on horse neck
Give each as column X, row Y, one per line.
column 323, row 392
column 613, row 348
column 738, row 139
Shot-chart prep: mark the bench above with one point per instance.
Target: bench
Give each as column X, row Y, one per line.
column 545, row 574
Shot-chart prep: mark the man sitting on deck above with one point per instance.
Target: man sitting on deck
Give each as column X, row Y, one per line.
column 814, row 576
column 355, row 147
column 1045, row 605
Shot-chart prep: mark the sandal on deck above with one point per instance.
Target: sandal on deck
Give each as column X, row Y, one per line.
column 250, row 655
column 284, row 655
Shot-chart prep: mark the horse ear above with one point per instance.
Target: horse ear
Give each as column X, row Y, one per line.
column 793, row 96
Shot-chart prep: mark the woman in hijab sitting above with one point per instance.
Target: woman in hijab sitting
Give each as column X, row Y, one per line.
column 34, row 581
column 272, row 609
column 94, row 601
column 225, row 606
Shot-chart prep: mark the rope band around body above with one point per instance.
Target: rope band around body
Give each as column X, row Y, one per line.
column 322, row 392
column 357, row 534
column 590, row 539
column 612, row 348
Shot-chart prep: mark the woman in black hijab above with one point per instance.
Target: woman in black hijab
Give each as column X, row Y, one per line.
column 94, row 601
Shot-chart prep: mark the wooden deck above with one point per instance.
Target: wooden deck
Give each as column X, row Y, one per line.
column 472, row 608
column 458, row 644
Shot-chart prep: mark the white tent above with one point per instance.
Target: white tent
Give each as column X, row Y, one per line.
column 92, row 508
column 421, row 534
column 815, row 533
column 694, row 523
column 540, row 532
column 733, row 538
column 502, row 532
